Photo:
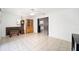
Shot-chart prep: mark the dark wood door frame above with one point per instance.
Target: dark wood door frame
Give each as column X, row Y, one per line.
column 39, row 27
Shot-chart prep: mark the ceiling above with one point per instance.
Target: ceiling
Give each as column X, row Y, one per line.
column 36, row 11
column 26, row 11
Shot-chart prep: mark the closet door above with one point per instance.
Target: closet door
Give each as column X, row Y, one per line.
column 29, row 26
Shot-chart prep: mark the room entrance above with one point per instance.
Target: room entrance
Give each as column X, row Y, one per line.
column 43, row 25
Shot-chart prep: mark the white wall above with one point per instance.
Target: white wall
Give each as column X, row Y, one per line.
column 0, row 31
column 63, row 22
column 8, row 20
column 0, row 25
column 35, row 25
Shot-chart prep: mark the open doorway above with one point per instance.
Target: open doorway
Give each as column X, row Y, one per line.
column 43, row 25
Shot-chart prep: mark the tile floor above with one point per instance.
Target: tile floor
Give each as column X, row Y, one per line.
column 33, row 42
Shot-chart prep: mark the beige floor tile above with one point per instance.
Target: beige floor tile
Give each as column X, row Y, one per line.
column 33, row 42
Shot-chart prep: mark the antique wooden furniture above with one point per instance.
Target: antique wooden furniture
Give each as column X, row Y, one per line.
column 22, row 26
column 15, row 30
column 12, row 31
column 29, row 26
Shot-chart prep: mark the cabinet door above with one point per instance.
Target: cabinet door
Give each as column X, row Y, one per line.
column 29, row 26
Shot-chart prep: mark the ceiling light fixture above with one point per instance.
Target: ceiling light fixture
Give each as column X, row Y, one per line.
column 32, row 14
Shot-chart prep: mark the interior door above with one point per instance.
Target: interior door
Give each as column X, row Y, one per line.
column 29, row 26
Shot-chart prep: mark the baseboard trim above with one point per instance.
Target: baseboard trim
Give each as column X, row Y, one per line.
column 61, row 38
